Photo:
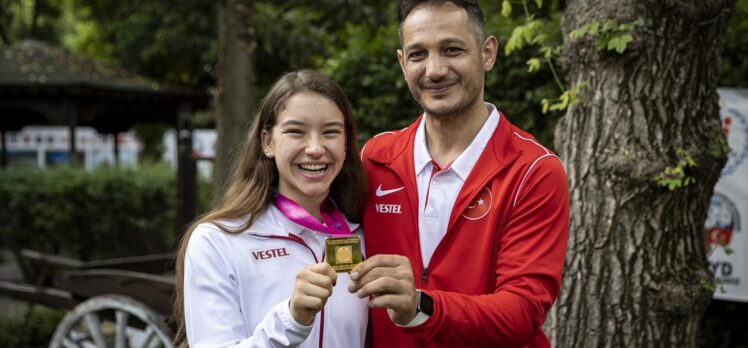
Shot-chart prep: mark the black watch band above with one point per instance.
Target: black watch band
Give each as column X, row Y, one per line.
column 425, row 304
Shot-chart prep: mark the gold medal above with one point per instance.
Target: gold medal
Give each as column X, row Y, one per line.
column 343, row 253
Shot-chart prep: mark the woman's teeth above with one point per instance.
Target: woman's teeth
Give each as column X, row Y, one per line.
column 313, row 167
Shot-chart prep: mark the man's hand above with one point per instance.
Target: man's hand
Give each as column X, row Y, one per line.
column 389, row 280
column 313, row 287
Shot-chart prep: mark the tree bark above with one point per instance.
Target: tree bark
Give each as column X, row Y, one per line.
column 636, row 270
column 236, row 80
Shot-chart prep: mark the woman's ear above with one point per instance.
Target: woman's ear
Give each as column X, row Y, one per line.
column 267, row 144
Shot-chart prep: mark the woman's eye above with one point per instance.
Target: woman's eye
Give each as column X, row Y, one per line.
column 332, row 132
column 293, row 131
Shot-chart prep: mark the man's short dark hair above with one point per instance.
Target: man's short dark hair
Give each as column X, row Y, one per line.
column 475, row 14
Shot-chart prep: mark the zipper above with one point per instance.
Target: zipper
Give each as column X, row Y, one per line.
column 424, row 275
column 414, row 213
column 321, row 326
column 298, row 239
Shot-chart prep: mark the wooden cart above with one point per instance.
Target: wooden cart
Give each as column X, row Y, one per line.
column 124, row 302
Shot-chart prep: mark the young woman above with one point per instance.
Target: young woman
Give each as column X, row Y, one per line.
column 251, row 272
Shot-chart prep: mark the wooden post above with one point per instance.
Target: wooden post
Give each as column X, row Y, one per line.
column 4, row 150
column 72, row 158
column 186, row 171
column 72, row 116
column 116, row 150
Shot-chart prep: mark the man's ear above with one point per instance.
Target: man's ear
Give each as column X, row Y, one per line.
column 401, row 59
column 489, row 51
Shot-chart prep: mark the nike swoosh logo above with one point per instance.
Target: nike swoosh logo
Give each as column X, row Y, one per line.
column 381, row 192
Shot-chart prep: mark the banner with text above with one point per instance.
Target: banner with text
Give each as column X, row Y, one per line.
column 726, row 222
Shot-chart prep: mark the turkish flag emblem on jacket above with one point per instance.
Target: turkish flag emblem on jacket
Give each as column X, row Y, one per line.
column 479, row 206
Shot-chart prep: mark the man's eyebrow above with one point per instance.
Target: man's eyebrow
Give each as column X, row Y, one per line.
column 413, row 46
column 443, row 42
column 453, row 41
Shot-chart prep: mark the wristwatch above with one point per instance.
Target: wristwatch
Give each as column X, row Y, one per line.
column 424, row 303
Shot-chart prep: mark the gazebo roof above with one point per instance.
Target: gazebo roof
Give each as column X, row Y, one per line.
column 35, row 63
column 39, row 84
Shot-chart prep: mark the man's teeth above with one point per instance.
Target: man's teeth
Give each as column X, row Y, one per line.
column 313, row 167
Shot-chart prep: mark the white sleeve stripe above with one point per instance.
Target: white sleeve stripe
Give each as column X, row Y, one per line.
column 521, row 184
column 383, row 133
column 532, row 141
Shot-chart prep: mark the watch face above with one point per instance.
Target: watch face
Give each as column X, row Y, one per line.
column 425, row 303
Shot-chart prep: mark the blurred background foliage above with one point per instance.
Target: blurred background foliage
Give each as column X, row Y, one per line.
column 735, row 49
column 175, row 41
column 354, row 41
column 102, row 214
column 34, row 329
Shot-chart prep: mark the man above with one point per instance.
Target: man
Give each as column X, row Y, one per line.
column 467, row 221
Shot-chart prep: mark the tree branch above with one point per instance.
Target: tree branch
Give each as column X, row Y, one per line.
column 35, row 18
column 4, row 35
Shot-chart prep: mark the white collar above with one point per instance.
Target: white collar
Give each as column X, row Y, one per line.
column 467, row 159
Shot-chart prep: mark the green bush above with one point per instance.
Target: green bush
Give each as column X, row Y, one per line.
column 90, row 215
column 34, row 330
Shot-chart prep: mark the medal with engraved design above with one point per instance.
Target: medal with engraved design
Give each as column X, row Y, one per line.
column 343, row 254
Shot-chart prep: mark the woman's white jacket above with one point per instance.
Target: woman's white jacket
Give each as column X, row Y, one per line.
column 237, row 288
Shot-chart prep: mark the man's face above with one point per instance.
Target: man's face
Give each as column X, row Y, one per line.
column 442, row 63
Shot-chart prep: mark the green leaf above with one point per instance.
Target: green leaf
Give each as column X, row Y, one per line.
column 619, row 43
column 530, row 34
column 533, row 64
column 600, row 44
column 539, row 3
column 594, row 28
column 506, row 9
column 546, row 104
column 616, row 44
column 609, row 25
column 515, row 41
column 540, row 39
column 565, row 99
column 557, row 107
column 579, row 32
column 674, row 185
column 629, row 26
column 547, row 52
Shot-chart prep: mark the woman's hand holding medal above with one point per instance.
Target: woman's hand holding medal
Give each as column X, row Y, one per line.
column 312, row 289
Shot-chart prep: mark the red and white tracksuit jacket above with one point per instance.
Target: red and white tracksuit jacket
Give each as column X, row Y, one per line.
column 497, row 271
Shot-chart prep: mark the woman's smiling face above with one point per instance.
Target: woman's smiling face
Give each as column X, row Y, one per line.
column 308, row 143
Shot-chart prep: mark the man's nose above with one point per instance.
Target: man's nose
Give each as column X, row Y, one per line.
column 436, row 67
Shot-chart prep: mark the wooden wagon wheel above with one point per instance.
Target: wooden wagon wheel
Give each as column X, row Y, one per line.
column 111, row 321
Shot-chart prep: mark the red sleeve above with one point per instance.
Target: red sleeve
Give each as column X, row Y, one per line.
column 529, row 265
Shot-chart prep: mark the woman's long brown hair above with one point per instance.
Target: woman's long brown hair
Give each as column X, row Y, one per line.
column 255, row 176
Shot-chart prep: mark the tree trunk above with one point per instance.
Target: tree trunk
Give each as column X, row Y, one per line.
column 636, row 271
column 236, row 79
column 4, row 35
column 5, row 14
column 35, row 18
